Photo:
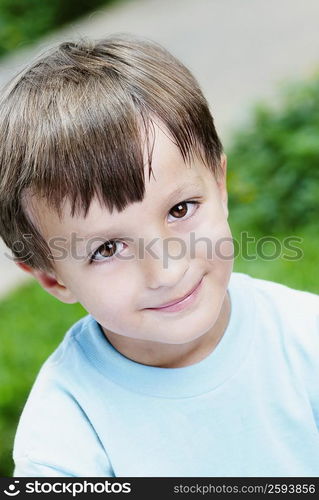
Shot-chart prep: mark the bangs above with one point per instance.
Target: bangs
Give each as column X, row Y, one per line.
column 100, row 149
column 84, row 147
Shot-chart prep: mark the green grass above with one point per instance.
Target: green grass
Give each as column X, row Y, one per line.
column 301, row 274
column 33, row 323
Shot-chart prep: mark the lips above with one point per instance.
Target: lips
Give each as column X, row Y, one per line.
column 177, row 301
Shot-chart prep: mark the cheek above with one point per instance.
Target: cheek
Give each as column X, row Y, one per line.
column 105, row 290
column 213, row 241
column 223, row 243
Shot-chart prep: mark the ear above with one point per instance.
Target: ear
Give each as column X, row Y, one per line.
column 222, row 184
column 50, row 283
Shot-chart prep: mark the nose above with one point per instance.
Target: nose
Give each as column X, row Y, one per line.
column 165, row 262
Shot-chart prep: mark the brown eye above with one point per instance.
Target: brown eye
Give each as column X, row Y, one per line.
column 183, row 210
column 106, row 251
column 179, row 210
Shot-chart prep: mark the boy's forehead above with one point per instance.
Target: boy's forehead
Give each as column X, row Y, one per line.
column 170, row 178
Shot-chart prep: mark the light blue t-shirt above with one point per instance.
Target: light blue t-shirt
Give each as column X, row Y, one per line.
column 250, row 408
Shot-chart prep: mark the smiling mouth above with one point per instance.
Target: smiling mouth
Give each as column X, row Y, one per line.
column 180, row 301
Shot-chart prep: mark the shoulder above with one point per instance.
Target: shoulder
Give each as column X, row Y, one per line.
column 288, row 315
column 295, row 305
column 55, row 436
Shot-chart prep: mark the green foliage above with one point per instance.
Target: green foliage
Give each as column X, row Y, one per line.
column 273, row 178
column 32, row 324
column 24, row 21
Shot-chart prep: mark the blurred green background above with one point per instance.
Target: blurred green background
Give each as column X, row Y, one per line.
column 273, row 191
column 273, row 185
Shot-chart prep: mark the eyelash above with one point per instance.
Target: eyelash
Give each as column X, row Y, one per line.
column 108, row 260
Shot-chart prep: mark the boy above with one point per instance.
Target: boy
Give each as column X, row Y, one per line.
column 113, row 177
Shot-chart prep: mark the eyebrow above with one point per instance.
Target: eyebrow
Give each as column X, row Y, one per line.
column 182, row 189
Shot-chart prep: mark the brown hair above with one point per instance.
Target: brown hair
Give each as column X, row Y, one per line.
column 71, row 127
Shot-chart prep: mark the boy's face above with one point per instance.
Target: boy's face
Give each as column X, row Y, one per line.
column 184, row 245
